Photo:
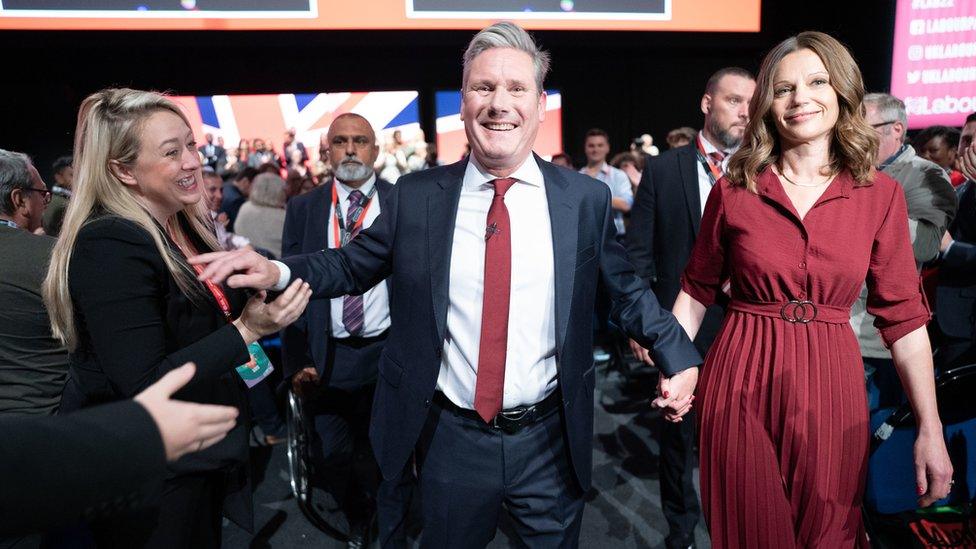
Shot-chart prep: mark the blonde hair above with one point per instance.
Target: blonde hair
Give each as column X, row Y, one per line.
column 109, row 128
column 853, row 142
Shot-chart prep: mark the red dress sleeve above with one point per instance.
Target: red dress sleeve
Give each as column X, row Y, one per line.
column 895, row 295
column 705, row 272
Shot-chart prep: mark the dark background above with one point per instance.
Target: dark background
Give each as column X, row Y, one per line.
column 625, row 82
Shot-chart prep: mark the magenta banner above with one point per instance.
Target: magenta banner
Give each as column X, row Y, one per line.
column 933, row 66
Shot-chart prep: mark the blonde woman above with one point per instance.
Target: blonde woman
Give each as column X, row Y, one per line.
column 798, row 223
column 123, row 298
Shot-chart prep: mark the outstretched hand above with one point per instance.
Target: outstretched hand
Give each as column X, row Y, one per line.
column 184, row 426
column 251, row 268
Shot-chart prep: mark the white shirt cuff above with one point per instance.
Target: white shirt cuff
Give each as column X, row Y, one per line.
column 284, row 276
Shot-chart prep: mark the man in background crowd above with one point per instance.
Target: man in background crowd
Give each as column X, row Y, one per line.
column 597, row 148
column 214, row 156
column 33, row 365
column 956, row 293
column 61, row 193
column 931, row 206
column 664, row 224
column 289, row 148
column 679, row 137
column 235, row 194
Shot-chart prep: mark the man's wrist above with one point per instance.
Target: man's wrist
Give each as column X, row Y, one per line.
column 284, row 276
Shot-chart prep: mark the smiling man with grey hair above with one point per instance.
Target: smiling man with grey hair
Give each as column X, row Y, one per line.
column 487, row 374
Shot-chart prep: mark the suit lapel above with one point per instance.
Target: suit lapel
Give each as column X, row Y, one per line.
column 442, row 205
column 688, row 168
column 564, row 219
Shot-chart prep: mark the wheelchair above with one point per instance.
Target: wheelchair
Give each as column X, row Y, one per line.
column 890, row 508
column 318, row 506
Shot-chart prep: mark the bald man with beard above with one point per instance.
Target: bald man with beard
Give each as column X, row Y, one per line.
column 331, row 353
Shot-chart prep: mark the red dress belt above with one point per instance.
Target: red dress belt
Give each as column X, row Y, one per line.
column 794, row 311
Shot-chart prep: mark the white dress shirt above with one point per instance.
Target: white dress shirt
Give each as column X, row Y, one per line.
column 704, row 182
column 530, row 363
column 376, row 301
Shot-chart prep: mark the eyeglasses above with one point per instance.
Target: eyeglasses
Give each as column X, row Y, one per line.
column 46, row 194
column 882, row 124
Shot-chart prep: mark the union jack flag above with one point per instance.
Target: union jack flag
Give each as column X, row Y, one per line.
column 236, row 117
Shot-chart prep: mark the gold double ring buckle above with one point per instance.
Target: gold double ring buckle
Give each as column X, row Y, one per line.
column 794, row 311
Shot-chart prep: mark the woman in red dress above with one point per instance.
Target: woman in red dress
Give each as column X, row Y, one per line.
column 800, row 221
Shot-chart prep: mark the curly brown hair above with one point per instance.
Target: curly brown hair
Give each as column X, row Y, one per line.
column 853, row 141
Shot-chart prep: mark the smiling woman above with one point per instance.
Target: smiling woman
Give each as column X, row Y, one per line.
column 123, row 298
column 793, row 230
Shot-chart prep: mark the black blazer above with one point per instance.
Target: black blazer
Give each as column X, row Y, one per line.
column 956, row 293
column 306, row 230
column 87, row 465
column 664, row 224
column 134, row 325
column 413, row 237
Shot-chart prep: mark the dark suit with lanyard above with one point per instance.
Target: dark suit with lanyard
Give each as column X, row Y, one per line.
column 664, row 225
column 343, row 340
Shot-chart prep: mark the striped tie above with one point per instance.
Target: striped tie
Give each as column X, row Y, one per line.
column 353, row 314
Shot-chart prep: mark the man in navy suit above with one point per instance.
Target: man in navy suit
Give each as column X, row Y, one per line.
column 487, row 375
column 331, row 353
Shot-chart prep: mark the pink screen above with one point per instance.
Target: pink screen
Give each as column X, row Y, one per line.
column 933, row 67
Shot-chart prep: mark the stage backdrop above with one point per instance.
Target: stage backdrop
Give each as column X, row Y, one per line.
column 451, row 140
column 236, row 117
column 933, row 67
column 662, row 15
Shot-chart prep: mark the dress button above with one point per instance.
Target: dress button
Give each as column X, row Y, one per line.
column 803, row 264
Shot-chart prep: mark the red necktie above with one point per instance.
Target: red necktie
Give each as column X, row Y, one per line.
column 717, row 158
column 494, row 312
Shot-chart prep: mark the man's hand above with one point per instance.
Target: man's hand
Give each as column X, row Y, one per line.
column 676, row 393
column 254, row 271
column 946, row 240
column 641, row 353
column 303, row 378
column 184, row 426
column 967, row 161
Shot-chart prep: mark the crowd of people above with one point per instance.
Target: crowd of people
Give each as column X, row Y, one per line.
column 438, row 321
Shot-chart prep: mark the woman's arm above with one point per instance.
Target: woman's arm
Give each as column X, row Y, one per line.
column 913, row 361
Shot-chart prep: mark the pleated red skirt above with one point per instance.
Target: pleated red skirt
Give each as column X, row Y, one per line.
column 784, row 435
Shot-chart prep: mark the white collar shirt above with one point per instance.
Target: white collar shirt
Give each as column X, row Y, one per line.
column 376, row 300
column 530, row 363
column 705, row 182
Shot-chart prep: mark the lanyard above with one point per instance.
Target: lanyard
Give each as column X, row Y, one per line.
column 343, row 236
column 216, row 290
column 714, row 172
column 9, row 223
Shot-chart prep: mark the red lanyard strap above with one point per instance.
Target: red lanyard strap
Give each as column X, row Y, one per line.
column 342, row 235
column 216, row 290
column 714, row 172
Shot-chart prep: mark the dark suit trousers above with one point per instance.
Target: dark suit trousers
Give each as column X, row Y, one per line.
column 342, row 456
column 189, row 515
column 676, row 472
column 469, row 472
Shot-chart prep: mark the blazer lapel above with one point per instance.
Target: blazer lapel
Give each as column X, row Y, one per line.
column 442, row 205
column 688, row 168
column 564, row 219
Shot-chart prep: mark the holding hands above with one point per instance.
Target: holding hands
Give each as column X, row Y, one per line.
column 674, row 394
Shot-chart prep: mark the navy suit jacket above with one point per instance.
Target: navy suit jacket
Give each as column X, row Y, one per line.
column 664, row 224
column 306, row 230
column 413, row 239
column 956, row 293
